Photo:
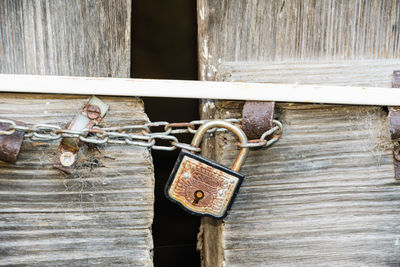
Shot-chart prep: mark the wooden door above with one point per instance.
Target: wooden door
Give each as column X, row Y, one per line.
column 102, row 213
column 325, row 194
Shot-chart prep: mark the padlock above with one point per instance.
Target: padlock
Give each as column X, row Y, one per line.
column 204, row 187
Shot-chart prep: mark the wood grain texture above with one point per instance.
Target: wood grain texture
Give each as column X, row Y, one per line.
column 324, row 195
column 287, row 30
column 368, row 73
column 102, row 214
column 72, row 38
column 99, row 215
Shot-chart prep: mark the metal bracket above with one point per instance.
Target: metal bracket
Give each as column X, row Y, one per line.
column 394, row 127
column 67, row 153
column 257, row 117
column 10, row 145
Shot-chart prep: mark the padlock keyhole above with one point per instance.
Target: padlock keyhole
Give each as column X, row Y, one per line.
column 198, row 195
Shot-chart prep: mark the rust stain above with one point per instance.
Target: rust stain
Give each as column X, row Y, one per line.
column 71, row 145
column 10, row 145
column 201, row 188
column 257, row 117
column 93, row 112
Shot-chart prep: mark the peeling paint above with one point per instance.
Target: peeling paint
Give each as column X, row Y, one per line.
column 208, row 105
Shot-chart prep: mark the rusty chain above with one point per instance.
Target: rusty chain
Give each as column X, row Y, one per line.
column 137, row 135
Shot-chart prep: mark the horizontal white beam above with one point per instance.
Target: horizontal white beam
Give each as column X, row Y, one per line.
column 200, row 89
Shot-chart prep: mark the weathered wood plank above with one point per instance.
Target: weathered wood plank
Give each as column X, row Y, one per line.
column 292, row 31
column 370, row 73
column 324, row 195
column 102, row 214
column 72, row 38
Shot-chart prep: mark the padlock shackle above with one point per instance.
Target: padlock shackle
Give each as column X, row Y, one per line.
column 198, row 137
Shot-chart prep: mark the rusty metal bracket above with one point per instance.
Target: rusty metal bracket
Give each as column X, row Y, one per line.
column 10, row 145
column 67, row 153
column 257, row 117
column 394, row 127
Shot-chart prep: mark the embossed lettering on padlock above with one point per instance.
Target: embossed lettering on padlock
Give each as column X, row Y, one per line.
column 202, row 186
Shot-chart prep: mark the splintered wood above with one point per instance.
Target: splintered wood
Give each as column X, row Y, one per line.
column 325, row 194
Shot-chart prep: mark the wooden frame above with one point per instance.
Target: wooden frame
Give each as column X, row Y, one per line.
column 201, row 89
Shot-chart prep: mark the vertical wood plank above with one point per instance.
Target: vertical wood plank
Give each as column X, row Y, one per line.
column 102, row 214
column 325, row 194
column 72, row 38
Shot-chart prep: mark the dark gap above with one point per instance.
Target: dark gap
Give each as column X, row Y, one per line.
column 164, row 46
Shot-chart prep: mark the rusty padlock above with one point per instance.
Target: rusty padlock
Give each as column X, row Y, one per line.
column 202, row 186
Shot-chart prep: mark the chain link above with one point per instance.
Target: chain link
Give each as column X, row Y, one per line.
column 136, row 135
column 275, row 131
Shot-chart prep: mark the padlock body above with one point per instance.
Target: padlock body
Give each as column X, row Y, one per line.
column 202, row 186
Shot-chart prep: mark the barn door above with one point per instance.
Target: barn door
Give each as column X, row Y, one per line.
column 325, row 194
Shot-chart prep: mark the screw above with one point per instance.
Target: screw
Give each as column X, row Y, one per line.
column 67, row 159
column 93, row 112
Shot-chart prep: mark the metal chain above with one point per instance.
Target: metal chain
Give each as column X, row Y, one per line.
column 137, row 135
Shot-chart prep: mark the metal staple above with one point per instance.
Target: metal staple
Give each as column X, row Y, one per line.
column 137, row 135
